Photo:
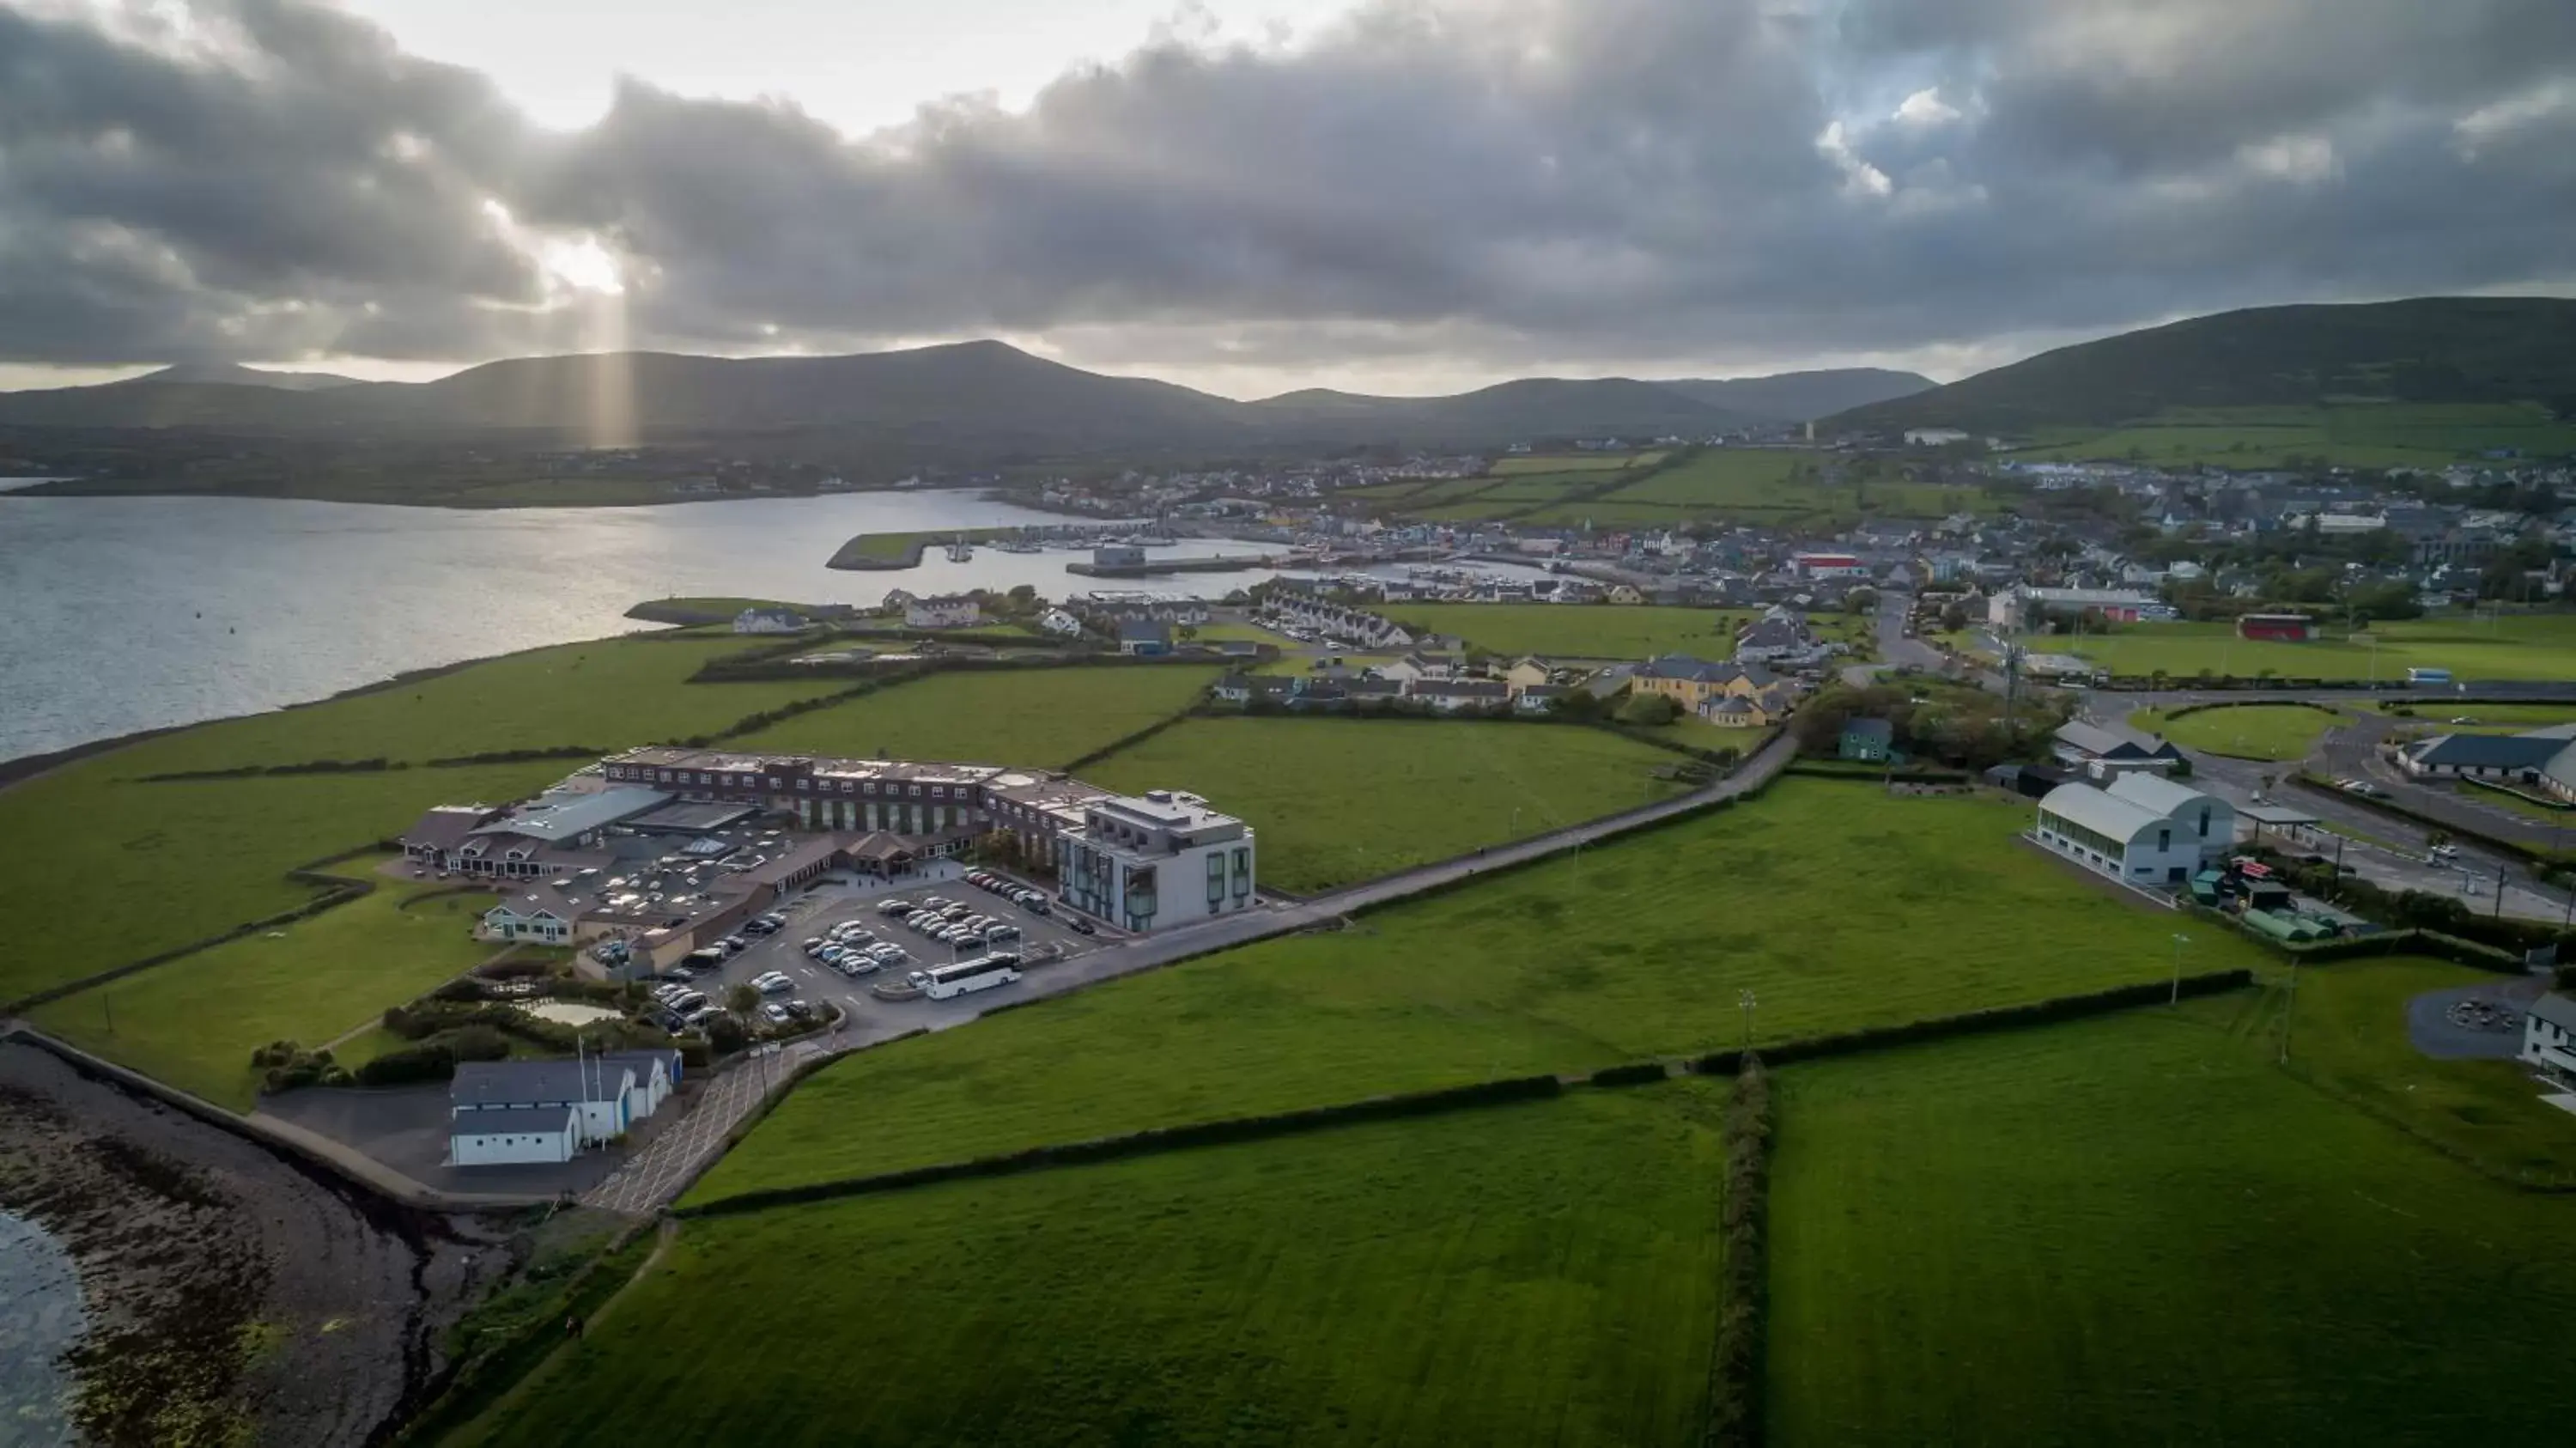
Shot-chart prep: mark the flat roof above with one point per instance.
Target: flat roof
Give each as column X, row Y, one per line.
column 554, row 817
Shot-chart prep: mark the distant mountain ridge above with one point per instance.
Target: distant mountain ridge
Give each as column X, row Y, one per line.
column 233, row 374
column 2429, row 349
column 1803, row 396
column 986, row 395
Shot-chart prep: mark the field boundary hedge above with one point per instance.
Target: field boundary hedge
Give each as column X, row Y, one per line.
column 1987, row 1021
column 1149, row 1141
column 1153, row 1140
column 1735, row 1410
column 2186, row 710
column 338, row 890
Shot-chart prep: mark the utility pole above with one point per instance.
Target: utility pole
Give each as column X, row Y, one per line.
column 2291, row 1011
column 1745, row 999
column 2179, row 941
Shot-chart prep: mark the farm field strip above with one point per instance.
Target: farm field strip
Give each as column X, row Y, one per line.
column 2103, row 1231
column 1628, row 951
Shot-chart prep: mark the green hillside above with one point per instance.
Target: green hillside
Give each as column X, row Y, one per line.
column 2445, row 350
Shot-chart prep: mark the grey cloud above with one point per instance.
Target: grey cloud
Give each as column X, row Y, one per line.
column 1598, row 184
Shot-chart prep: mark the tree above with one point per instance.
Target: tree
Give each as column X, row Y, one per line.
column 1861, row 600
column 742, row 1000
column 1648, row 709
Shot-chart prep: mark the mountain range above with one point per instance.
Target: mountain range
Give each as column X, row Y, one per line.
column 986, row 396
column 2429, row 349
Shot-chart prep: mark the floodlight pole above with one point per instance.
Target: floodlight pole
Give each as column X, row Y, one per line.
column 1745, row 999
column 2179, row 941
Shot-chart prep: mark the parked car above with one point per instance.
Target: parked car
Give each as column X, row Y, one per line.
column 1002, row 931
column 1082, row 926
column 894, row 907
column 774, row 1013
column 772, row 984
column 733, row 945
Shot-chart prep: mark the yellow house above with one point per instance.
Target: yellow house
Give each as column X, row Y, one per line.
column 1527, row 674
column 1625, row 593
column 1746, row 711
column 1692, row 682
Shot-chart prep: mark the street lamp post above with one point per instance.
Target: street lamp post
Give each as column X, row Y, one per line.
column 2179, row 941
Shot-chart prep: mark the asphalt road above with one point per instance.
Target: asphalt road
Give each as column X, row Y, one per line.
column 2349, row 750
column 657, row 1175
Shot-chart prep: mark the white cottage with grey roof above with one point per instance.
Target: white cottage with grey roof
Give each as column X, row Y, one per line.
column 2549, row 1036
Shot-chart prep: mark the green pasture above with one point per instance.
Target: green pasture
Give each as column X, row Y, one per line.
column 1035, row 717
column 1542, row 1273
column 194, row 1022
column 2243, row 731
column 1633, row 949
column 1336, row 801
column 1592, row 462
column 2367, row 435
column 1633, row 632
column 2139, row 1230
column 2506, row 647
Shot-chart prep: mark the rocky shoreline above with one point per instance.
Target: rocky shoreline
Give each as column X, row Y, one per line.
column 231, row 1294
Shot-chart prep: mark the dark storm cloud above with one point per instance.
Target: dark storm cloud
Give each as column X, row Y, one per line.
column 1618, row 182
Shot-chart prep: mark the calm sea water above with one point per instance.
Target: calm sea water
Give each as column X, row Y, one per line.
column 41, row 1318
column 134, row 613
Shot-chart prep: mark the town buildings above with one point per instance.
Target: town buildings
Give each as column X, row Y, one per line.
column 954, row 610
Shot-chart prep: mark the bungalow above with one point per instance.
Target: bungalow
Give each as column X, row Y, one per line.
column 1528, row 673
column 1735, row 711
column 769, row 621
column 2503, row 758
column 2549, row 1036
column 1417, row 667
column 1780, row 638
column 1144, row 638
column 1457, row 696
column 953, row 610
column 1537, row 698
column 2102, row 752
column 526, row 917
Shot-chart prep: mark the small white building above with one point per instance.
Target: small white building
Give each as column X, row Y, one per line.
column 1057, row 621
column 513, row 1136
column 769, row 621
column 953, row 610
column 526, row 917
column 2549, row 1036
column 1933, row 436
column 488, row 1103
column 1156, row 860
column 2124, row 836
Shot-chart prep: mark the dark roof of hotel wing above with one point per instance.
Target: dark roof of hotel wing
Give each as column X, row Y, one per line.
column 446, row 827
column 2488, row 751
column 489, row 1084
column 512, row 1121
column 806, row 854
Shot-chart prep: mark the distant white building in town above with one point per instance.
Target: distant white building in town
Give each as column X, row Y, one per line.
column 953, row 610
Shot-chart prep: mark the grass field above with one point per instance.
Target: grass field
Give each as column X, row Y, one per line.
column 194, row 1022
column 608, row 693
column 2137, row 1230
column 1600, row 631
column 1466, row 1279
column 97, row 872
column 1041, row 718
column 1592, row 462
column 1338, row 800
column 1629, row 950
column 2368, row 435
column 2491, row 718
column 2348, row 1034
column 2515, row 646
column 2243, row 731
column 1756, row 485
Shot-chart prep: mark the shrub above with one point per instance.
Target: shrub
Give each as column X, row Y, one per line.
column 1735, row 1387
column 1639, row 1073
column 1648, row 710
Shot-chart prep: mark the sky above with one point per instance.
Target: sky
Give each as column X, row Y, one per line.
column 1255, row 195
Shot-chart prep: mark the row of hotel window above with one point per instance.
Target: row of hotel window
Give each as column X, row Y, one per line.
column 753, row 781
column 1216, row 874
